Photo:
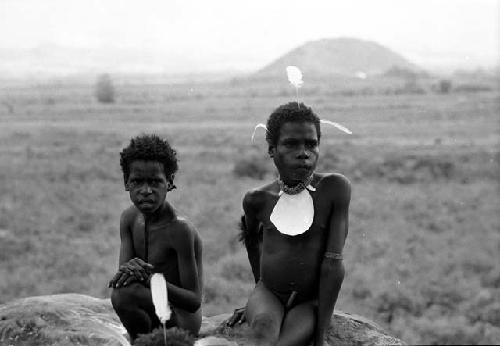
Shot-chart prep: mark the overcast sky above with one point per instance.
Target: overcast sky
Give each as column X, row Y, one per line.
column 249, row 34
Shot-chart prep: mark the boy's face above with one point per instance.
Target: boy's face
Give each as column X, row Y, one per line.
column 296, row 152
column 147, row 185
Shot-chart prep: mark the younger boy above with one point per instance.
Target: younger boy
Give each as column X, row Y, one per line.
column 294, row 231
column 155, row 239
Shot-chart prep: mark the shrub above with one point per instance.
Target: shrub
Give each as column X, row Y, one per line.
column 174, row 336
column 444, row 86
column 104, row 89
column 252, row 167
column 472, row 88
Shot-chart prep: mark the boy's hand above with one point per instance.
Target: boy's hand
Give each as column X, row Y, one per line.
column 138, row 268
column 134, row 270
column 119, row 278
column 239, row 316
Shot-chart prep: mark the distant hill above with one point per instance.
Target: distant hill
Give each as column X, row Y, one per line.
column 340, row 56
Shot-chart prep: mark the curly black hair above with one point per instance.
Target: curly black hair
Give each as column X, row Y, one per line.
column 149, row 148
column 290, row 112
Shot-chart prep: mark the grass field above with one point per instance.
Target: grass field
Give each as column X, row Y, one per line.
column 422, row 252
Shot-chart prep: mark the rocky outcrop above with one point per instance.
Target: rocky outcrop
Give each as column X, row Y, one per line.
column 74, row 319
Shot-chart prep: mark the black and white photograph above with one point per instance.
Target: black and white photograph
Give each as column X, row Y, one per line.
column 249, row 173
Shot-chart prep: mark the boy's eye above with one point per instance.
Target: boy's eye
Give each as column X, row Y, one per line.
column 135, row 182
column 311, row 144
column 290, row 144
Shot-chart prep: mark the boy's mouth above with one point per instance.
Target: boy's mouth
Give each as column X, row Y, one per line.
column 303, row 168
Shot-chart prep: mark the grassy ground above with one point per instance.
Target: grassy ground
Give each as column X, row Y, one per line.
column 422, row 251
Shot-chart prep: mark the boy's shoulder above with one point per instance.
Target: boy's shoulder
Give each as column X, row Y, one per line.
column 184, row 227
column 334, row 184
column 333, row 179
column 130, row 214
column 258, row 195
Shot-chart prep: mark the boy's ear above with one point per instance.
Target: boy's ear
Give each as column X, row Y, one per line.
column 271, row 150
column 125, row 182
column 170, row 184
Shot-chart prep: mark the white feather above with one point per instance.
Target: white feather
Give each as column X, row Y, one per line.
column 160, row 297
column 294, row 76
column 337, row 125
column 256, row 127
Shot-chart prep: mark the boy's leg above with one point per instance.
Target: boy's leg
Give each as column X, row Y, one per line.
column 134, row 307
column 298, row 325
column 190, row 321
column 264, row 314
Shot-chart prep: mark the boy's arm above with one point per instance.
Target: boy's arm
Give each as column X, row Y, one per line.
column 130, row 268
column 126, row 251
column 251, row 237
column 250, row 233
column 332, row 267
column 188, row 296
column 126, row 243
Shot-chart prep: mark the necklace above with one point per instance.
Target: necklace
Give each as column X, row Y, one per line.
column 294, row 190
column 293, row 213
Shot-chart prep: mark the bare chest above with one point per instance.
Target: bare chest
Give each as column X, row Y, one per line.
column 155, row 243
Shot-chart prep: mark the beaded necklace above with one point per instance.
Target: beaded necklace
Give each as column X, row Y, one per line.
column 294, row 190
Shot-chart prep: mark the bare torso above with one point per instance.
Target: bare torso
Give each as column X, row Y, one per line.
column 174, row 249
column 292, row 263
column 166, row 236
column 161, row 245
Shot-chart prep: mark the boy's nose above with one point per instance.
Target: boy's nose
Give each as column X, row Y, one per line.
column 146, row 189
column 302, row 153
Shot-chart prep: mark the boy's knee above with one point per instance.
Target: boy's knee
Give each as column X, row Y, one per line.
column 188, row 321
column 265, row 326
column 123, row 297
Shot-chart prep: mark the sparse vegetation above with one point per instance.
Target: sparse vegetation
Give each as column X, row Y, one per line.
column 104, row 89
column 252, row 166
column 8, row 106
column 173, row 336
column 422, row 251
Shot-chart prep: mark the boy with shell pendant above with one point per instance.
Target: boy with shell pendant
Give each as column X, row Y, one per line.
column 294, row 230
column 154, row 239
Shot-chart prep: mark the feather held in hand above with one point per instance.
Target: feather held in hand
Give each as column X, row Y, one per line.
column 160, row 297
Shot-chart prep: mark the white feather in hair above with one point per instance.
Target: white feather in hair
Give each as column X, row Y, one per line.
column 337, row 125
column 295, row 78
column 262, row 126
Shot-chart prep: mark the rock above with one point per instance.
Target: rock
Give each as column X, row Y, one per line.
column 346, row 329
column 75, row 319
column 60, row 320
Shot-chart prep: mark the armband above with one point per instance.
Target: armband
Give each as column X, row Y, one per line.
column 333, row 255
